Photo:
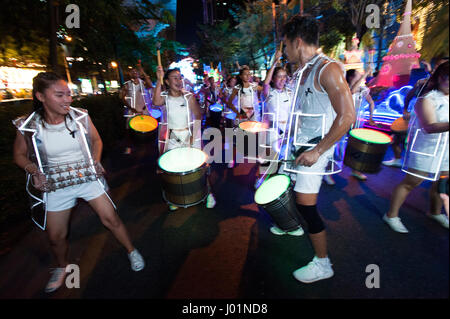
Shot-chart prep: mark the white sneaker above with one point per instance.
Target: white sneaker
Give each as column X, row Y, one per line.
column 136, row 260
column 56, row 280
column 329, row 180
column 317, row 269
column 441, row 219
column 395, row 162
column 231, row 164
column 277, row 231
column 395, row 224
column 210, row 201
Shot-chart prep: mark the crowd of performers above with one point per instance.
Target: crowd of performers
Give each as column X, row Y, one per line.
column 307, row 117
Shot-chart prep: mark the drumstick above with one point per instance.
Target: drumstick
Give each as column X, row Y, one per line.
column 158, row 53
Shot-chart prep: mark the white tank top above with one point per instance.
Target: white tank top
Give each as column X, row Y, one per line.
column 59, row 144
column 177, row 112
column 317, row 112
column 279, row 103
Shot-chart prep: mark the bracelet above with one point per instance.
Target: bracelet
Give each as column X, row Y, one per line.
column 26, row 166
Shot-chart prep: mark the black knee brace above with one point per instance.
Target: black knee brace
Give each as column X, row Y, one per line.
column 312, row 218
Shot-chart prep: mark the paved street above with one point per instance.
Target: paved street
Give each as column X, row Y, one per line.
column 228, row 252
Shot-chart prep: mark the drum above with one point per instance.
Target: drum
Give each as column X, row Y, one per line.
column 184, row 176
column 229, row 119
column 143, row 127
column 400, row 129
column 215, row 114
column 248, row 135
column 366, row 149
column 399, row 126
column 276, row 197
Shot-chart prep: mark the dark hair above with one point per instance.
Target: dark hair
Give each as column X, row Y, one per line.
column 304, row 27
column 238, row 78
column 42, row 82
column 433, row 82
column 350, row 74
column 229, row 80
column 275, row 72
column 169, row 72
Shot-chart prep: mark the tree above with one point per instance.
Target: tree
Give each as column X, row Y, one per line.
column 219, row 43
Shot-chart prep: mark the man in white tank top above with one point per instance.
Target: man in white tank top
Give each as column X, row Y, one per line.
column 134, row 97
column 322, row 95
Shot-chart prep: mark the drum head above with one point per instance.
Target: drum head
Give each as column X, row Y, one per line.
column 183, row 159
column 271, row 189
column 399, row 125
column 155, row 113
column 216, row 108
column 143, row 123
column 253, row 126
column 230, row 116
column 370, row 136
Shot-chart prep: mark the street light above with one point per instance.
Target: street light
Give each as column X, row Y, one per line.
column 114, row 64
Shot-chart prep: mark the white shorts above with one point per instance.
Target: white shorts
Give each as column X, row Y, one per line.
column 66, row 198
column 308, row 184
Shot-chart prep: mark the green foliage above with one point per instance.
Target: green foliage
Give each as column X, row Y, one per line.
column 219, row 43
column 435, row 40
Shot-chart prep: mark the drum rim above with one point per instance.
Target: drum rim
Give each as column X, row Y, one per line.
column 284, row 192
column 370, row 142
column 205, row 164
column 262, row 128
column 143, row 115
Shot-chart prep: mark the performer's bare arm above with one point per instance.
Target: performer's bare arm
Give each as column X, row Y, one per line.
column 266, row 85
column 230, row 101
column 371, row 108
column 426, row 115
column 195, row 107
column 123, row 94
column 335, row 85
column 158, row 100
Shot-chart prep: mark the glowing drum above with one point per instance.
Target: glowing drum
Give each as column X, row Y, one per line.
column 400, row 128
column 229, row 119
column 275, row 195
column 184, row 176
column 143, row 127
column 248, row 135
column 215, row 114
column 366, row 149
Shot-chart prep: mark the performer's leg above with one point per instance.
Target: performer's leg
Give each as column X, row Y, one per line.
column 57, row 230
column 435, row 199
column 401, row 192
column 105, row 210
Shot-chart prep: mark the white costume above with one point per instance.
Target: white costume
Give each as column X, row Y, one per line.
column 136, row 97
column 311, row 118
column 427, row 154
column 65, row 158
column 177, row 127
column 248, row 99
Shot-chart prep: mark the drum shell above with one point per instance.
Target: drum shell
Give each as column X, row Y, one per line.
column 215, row 117
column 283, row 211
column 246, row 138
column 363, row 156
column 185, row 189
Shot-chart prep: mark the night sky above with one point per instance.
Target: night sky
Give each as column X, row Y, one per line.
column 189, row 13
